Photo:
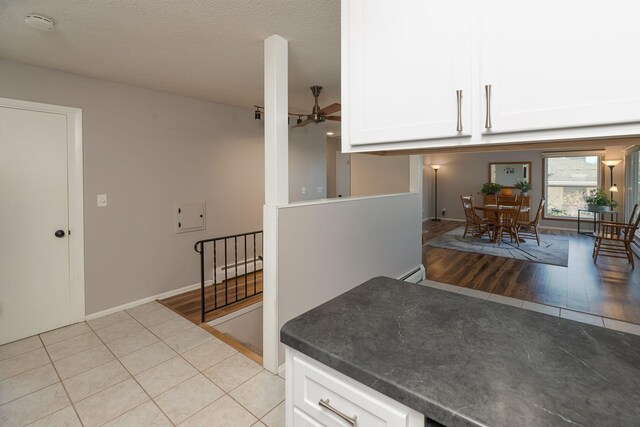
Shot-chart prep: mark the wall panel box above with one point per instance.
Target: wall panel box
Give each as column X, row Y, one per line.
column 190, row 216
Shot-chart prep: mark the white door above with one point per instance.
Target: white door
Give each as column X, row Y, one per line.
column 343, row 174
column 34, row 262
column 402, row 65
column 559, row 64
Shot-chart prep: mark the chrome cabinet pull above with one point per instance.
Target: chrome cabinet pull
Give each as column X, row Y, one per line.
column 487, row 92
column 459, row 99
column 325, row 404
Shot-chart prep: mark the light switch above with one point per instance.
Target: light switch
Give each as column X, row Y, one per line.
column 102, row 200
column 319, row 188
column 304, row 190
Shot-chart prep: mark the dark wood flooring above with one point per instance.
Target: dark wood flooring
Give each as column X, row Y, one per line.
column 609, row 288
column 188, row 304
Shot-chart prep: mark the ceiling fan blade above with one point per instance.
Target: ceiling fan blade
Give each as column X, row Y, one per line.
column 304, row 123
column 334, row 118
column 330, row 109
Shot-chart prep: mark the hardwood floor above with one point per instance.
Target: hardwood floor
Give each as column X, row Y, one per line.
column 609, row 288
column 188, row 303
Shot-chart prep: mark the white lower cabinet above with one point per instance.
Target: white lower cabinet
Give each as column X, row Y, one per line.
column 320, row 396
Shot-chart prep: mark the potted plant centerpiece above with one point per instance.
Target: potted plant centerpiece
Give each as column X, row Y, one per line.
column 598, row 201
column 490, row 188
column 523, row 186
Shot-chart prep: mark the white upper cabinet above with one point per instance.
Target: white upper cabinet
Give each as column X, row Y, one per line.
column 559, row 64
column 403, row 64
column 556, row 69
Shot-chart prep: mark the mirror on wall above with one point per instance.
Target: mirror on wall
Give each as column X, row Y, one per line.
column 508, row 174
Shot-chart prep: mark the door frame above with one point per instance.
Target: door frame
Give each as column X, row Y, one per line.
column 75, row 187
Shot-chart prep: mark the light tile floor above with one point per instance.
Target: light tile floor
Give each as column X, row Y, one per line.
column 145, row 366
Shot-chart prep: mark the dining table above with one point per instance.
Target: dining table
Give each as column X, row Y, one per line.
column 492, row 209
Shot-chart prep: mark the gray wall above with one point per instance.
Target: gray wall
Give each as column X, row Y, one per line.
column 307, row 162
column 148, row 150
column 358, row 238
column 333, row 146
column 464, row 173
column 371, row 174
column 246, row 328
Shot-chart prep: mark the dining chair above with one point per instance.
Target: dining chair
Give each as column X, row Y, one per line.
column 613, row 239
column 530, row 228
column 507, row 216
column 475, row 224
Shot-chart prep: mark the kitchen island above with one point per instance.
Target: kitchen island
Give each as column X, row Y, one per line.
column 463, row 361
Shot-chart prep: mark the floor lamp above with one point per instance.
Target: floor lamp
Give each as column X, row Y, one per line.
column 612, row 164
column 435, row 169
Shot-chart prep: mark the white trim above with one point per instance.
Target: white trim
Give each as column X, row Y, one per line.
column 543, row 227
column 235, row 314
column 282, row 369
column 416, row 274
column 75, row 195
column 144, row 300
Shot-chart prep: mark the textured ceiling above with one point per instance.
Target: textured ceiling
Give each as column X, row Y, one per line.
column 207, row 49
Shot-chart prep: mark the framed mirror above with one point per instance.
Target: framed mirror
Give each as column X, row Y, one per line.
column 508, row 174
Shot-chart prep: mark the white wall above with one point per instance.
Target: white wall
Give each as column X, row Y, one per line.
column 325, row 249
column 148, row 150
column 464, row 173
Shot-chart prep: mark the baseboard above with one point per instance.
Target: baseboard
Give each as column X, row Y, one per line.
column 558, row 228
column 145, row 300
column 235, row 314
column 444, row 219
column 282, row 369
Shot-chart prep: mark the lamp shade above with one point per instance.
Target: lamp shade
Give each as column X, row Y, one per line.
column 611, row 162
column 614, row 188
column 435, row 167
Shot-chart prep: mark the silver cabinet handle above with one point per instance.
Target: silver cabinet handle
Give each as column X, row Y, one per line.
column 459, row 99
column 325, row 404
column 487, row 93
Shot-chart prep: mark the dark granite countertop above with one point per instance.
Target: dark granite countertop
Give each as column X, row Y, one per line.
column 463, row 361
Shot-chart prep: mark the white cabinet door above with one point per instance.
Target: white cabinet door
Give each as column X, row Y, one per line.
column 559, row 64
column 402, row 63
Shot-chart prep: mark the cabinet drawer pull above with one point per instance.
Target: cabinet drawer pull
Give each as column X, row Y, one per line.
column 487, row 92
column 459, row 99
column 325, row 404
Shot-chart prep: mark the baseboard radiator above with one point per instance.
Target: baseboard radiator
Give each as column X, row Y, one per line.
column 236, row 270
column 416, row 275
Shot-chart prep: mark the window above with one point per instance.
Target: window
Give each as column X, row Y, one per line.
column 567, row 179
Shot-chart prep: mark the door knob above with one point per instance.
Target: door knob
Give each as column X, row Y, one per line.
column 59, row 233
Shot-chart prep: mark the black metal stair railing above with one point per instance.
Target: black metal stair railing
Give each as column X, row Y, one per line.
column 230, row 281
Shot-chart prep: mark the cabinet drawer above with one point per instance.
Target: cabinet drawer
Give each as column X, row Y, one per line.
column 313, row 382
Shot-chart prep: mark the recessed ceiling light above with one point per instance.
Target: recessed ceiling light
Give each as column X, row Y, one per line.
column 329, row 133
column 40, row 22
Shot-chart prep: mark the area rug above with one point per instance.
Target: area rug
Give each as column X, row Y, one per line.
column 553, row 249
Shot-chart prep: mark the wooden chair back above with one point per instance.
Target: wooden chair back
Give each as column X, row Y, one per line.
column 509, row 212
column 536, row 220
column 469, row 211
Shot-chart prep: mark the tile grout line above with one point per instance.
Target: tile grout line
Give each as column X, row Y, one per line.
column 134, row 379
column 62, row 384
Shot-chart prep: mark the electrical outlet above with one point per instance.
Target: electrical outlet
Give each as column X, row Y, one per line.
column 304, row 190
column 102, row 200
column 444, row 212
column 319, row 188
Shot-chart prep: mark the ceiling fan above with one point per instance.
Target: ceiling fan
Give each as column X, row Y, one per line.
column 320, row 115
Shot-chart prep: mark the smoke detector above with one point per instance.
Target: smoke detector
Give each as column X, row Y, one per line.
column 40, row 22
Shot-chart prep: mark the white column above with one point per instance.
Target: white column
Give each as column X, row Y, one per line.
column 276, row 184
